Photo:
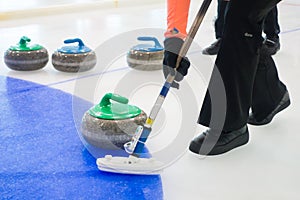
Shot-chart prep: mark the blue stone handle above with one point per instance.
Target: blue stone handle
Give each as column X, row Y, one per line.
column 80, row 43
column 154, row 39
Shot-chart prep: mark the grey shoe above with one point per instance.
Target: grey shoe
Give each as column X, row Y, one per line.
column 284, row 103
column 213, row 49
column 213, row 142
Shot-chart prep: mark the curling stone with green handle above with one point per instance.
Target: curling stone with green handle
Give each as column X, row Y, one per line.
column 78, row 58
column 146, row 57
column 24, row 57
column 109, row 125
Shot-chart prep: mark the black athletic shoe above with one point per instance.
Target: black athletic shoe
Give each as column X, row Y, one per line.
column 213, row 49
column 212, row 142
column 284, row 103
column 270, row 46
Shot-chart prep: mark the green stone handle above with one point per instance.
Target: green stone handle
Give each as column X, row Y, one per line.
column 23, row 45
column 23, row 42
column 105, row 101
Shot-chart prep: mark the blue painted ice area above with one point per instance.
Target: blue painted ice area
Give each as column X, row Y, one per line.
column 42, row 156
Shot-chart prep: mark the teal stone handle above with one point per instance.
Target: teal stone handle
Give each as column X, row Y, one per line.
column 23, row 42
column 155, row 40
column 80, row 43
column 23, row 45
column 105, row 101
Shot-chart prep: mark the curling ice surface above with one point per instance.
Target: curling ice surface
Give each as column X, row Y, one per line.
column 130, row 165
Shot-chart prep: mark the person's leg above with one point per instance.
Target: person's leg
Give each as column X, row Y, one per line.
column 221, row 13
column 270, row 95
column 237, row 63
column 271, row 29
column 219, row 28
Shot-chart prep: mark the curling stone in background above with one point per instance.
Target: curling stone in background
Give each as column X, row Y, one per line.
column 78, row 58
column 146, row 57
column 25, row 57
column 109, row 125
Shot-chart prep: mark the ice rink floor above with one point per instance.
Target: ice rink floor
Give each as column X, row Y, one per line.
column 267, row 168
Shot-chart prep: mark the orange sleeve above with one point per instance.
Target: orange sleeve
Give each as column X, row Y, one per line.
column 178, row 11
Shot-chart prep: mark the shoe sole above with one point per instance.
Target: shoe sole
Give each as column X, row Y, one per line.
column 236, row 142
column 270, row 117
column 208, row 53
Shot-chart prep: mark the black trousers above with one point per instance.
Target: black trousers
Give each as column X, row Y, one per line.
column 249, row 80
column 270, row 27
column 220, row 21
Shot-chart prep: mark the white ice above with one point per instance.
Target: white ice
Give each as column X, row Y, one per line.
column 267, row 168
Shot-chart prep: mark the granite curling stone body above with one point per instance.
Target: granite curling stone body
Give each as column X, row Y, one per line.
column 146, row 57
column 26, row 58
column 74, row 58
column 110, row 125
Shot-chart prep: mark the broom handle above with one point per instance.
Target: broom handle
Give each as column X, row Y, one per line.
column 183, row 51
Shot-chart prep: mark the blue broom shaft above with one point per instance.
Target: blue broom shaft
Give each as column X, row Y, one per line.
column 153, row 114
column 159, row 101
